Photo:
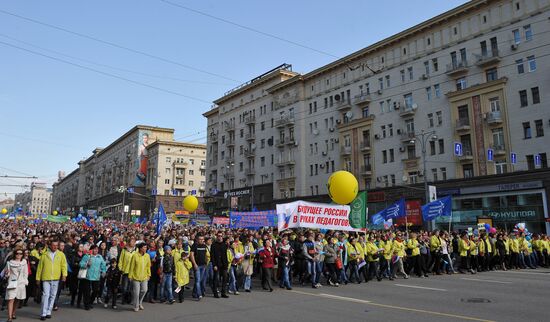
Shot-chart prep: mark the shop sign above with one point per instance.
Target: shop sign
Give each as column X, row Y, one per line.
column 513, row 214
column 503, row 187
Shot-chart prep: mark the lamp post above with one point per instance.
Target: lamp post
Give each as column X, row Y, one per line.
column 228, row 166
column 122, row 189
column 424, row 137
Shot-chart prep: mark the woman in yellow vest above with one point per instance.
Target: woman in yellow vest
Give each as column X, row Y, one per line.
column 398, row 249
column 513, row 244
column 183, row 265
column 354, row 252
column 413, row 248
column 464, row 250
column 372, row 254
column 474, row 253
column 139, row 273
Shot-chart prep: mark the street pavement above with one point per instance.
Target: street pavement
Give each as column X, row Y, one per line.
column 491, row 296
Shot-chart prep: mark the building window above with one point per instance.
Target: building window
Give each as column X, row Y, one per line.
column 429, row 93
column 381, row 107
column 443, row 173
column 528, row 32
column 495, row 104
column 365, row 112
column 539, row 129
column 262, row 126
column 411, row 75
column 191, row 183
column 441, row 146
column 491, row 74
column 392, row 157
column 413, row 177
column 383, row 129
column 408, row 100
column 381, row 83
column 535, row 95
column 437, row 90
column 166, row 181
column 435, row 64
column 432, row 147
column 430, row 119
column 384, row 156
column 402, row 72
column 523, row 98
column 500, row 167
column 530, row 162
column 390, row 129
column 461, row 83
column 531, row 63
column 526, row 130
column 168, row 159
column 427, row 67
column 520, row 67
column 388, row 81
column 517, row 37
column 434, row 174
column 468, row 170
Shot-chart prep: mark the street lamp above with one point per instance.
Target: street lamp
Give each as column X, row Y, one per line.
column 228, row 166
column 122, row 189
column 424, row 137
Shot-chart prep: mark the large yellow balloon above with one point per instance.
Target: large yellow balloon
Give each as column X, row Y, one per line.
column 342, row 187
column 4, row 211
column 55, row 212
column 190, row 203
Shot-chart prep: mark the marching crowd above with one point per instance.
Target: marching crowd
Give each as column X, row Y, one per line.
column 112, row 263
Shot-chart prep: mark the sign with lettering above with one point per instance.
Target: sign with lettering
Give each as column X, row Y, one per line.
column 303, row 214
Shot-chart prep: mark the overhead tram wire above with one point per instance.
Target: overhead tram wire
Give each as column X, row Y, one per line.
column 112, row 44
column 106, row 73
column 113, row 67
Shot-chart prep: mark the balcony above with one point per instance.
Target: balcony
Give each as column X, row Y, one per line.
column 407, row 137
column 202, row 167
column 202, row 188
column 466, row 155
column 410, row 163
column 230, row 143
column 230, row 127
column 409, row 110
column 487, row 58
column 230, row 160
column 250, row 120
column 361, row 99
column 250, row 136
column 280, row 143
column 343, row 105
column 229, row 175
column 462, row 125
column 249, row 153
column 457, row 68
column 181, row 162
column 499, row 149
column 287, row 177
column 365, row 146
column 494, row 118
column 366, row 170
column 213, row 138
column 285, row 161
column 284, row 121
column 345, row 150
column 250, row 171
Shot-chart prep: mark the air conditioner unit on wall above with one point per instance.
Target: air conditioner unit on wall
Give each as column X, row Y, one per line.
column 514, row 46
column 379, row 92
column 324, row 153
column 402, row 149
column 377, row 136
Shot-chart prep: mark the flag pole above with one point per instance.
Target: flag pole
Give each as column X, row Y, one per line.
column 450, row 220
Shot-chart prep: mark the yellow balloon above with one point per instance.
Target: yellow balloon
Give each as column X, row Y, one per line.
column 4, row 211
column 342, row 187
column 55, row 212
column 190, row 203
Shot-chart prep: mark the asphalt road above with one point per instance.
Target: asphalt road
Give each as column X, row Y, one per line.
column 491, row 296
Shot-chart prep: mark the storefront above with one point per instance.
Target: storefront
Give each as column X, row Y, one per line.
column 505, row 204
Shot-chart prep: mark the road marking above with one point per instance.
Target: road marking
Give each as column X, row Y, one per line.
column 351, row 299
column 542, row 273
column 422, row 287
column 482, row 280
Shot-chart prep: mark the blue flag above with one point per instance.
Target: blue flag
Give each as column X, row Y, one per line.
column 437, row 208
column 161, row 218
column 377, row 219
column 397, row 210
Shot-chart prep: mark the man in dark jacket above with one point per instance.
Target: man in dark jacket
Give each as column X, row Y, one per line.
column 168, row 270
column 218, row 255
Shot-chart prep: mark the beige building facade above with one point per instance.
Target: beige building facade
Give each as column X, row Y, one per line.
column 475, row 75
column 37, row 201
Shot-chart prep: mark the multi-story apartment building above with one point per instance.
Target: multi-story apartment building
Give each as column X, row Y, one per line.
column 37, row 201
column 474, row 75
column 134, row 161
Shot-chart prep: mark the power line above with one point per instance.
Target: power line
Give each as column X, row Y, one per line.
column 113, row 67
column 106, row 73
column 112, row 44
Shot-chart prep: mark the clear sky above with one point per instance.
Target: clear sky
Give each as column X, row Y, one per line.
column 54, row 113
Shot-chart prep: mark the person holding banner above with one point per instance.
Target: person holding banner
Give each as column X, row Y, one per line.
column 310, row 254
column 331, row 256
column 285, row 255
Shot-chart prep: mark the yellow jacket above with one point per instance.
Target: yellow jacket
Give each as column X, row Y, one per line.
column 124, row 260
column 354, row 252
column 371, row 249
column 435, row 243
column 49, row 270
column 412, row 244
column 388, row 245
column 182, row 271
column 399, row 248
column 474, row 251
column 140, row 267
column 513, row 244
column 463, row 247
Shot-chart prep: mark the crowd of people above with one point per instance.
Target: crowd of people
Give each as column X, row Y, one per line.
column 113, row 263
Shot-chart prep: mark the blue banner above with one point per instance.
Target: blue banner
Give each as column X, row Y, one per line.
column 161, row 218
column 437, row 208
column 253, row 219
column 397, row 210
